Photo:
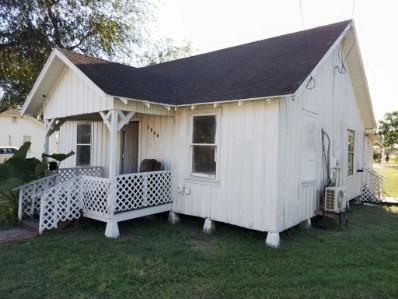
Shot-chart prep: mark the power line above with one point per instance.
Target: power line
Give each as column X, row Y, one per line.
column 311, row 82
column 353, row 9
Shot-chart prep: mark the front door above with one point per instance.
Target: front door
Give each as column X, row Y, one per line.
column 130, row 147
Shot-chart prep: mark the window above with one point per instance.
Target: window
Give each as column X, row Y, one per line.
column 83, row 145
column 204, row 147
column 351, row 151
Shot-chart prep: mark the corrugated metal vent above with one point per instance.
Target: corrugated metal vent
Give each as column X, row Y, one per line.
column 329, row 200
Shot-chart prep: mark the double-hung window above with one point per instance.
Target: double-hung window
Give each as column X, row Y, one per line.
column 351, row 152
column 204, row 145
column 83, row 144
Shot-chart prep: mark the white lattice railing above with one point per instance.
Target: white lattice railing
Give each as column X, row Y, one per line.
column 31, row 193
column 141, row 190
column 95, row 195
column 372, row 186
column 56, row 199
column 61, row 202
column 68, row 173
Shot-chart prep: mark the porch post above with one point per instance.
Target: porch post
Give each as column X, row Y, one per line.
column 113, row 144
column 112, row 230
column 114, row 120
column 47, row 145
column 48, row 126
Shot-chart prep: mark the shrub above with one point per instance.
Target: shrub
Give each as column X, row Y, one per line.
column 16, row 171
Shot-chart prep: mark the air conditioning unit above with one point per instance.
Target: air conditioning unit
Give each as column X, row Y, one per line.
column 334, row 199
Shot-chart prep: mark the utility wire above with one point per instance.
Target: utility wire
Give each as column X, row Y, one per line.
column 311, row 82
column 353, row 9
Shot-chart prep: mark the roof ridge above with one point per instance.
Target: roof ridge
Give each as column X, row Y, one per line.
column 62, row 50
column 249, row 43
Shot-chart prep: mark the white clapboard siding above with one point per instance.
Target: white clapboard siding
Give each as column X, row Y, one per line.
column 14, row 129
column 67, row 142
column 71, row 95
column 156, row 139
column 99, row 143
column 244, row 193
column 334, row 107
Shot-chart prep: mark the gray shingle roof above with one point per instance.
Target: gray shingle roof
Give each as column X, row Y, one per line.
column 274, row 66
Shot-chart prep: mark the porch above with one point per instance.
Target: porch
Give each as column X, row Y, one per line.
column 83, row 191
column 114, row 191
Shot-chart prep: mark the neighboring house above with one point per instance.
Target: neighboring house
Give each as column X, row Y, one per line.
column 238, row 131
column 17, row 129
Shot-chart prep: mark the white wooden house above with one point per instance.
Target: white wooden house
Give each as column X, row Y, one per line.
column 15, row 130
column 238, row 132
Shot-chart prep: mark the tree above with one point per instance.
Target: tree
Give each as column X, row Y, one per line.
column 30, row 29
column 164, row 50
column 388, row 129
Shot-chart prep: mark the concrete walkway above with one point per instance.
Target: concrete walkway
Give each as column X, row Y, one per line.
column 16, row 234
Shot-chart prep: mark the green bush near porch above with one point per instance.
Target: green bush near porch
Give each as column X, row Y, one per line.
column 157, row 260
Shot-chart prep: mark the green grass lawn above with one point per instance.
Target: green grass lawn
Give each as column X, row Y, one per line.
column 157, row 260
column 390, row 174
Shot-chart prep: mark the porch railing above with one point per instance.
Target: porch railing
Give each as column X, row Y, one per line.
column 133, row 191
column 142, row 190
column 68, row 173
column 95, row 196
column 61, row 202
column 56, row 199
column 372, row 186
column 31, row 193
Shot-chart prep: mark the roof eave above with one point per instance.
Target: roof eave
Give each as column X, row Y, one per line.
column 37, row 83
column 50, row 61
column 372, row 119
column 369, row 120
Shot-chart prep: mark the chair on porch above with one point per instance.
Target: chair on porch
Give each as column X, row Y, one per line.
column 150, row 165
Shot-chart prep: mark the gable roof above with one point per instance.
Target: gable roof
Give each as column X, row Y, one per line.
column 122, row 80
column 270, row 67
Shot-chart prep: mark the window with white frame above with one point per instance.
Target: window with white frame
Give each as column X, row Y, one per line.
column 351, row 152
column 83, row 144
column 204, row 145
